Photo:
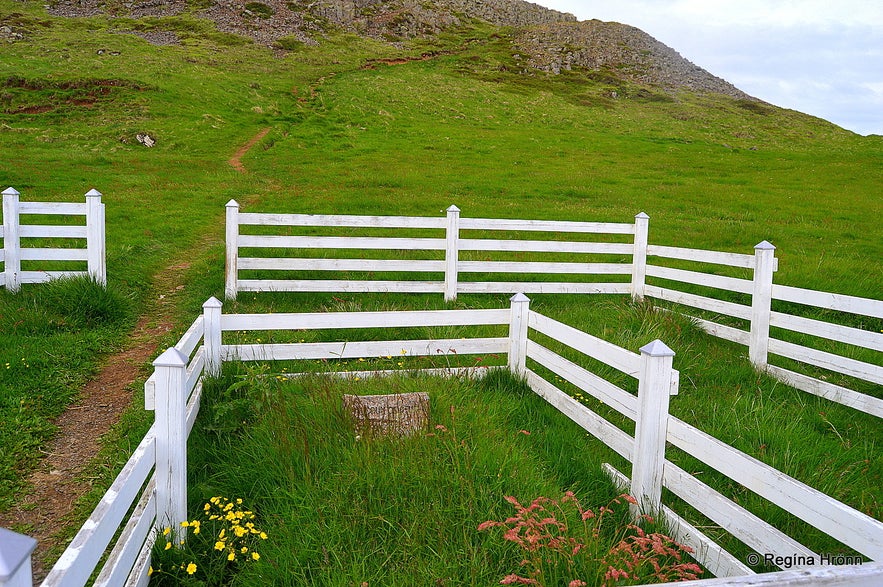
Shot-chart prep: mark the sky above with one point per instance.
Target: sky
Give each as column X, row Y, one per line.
column 820, row 57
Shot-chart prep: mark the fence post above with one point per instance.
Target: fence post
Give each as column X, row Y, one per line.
column 11, row 240
column 639, row 257
column 171, row 442
column 761, row 302
column 452, row 253
column 212, row 338
column 232, row 265
column 651, row 426
column 96, row 246
column 15, row 559
column 519, row 307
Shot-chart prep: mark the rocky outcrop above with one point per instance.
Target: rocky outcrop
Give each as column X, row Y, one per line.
column 622, row 50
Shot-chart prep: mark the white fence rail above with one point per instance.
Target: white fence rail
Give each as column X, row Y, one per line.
column 174, row 392
column 446, row 246
column 627, row 277
column 13, row 231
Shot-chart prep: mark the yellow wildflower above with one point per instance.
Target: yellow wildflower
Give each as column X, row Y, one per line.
column 166, row 530
column 168, row 545
column 219, row 545
column 255, row 556
column 191, row 568
column 231, row 556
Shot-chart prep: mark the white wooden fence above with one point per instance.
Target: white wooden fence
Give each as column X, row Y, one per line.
column 622, row 277
column 13, row 231
column 155, row 477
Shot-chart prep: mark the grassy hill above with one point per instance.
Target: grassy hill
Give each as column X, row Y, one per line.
column 361, row 125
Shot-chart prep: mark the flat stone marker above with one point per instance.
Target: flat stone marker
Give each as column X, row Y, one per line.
column 400, row 413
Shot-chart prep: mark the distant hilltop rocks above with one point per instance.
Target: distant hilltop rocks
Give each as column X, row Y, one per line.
column 547, row 40
column 626, row 50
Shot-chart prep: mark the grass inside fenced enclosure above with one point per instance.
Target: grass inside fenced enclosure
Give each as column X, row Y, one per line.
column 343, row 506
column 412, row 140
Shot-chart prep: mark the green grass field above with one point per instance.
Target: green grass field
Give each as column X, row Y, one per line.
column 412, row 139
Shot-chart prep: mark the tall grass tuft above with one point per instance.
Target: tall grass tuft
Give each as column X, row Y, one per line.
column 82, row 302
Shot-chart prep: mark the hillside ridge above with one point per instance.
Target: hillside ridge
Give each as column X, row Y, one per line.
column 549, row 40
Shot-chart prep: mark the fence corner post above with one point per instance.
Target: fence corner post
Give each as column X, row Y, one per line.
column 96, row 240
column 519, row 307
column 11, row 240
column 452, row 252
column 639, row 256
column 232, row 239
column 651, row 427
column 171, row 442
column 15, row 559
column 212, row 338
column 761, row 304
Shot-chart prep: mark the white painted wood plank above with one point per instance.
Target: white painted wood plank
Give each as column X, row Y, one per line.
column 541, row 287
column 193, row 406
column 704, row 279
column 192, row 338
column 544, row 268
column 78, row 561
column 329, row 320
column 44, row 276
column 830, row 301
column 303, row 264
column 546, row 226
column 706, row 551
column 140, row 575
column 483, row 244
column 601, row 389
column 51, row 231
column 864, row 575
column 849, row 526
column 747, row 527
column 150, row 393
column 846, row 334
column 330, row 220
column 860, row 401
column 194, row 371
column 341, row 242
column 62, row 208
column 41, row 254
column 701, row 302
column 133, row 538
column 592, row 346
column 701, row 256
column 588, row 420
column 470, row 372
column 722, row 331
column 838, row 363
column 318, row 285
column 354, row 350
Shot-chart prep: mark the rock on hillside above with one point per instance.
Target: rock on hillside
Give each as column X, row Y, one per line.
column 547, row 40
column 621, row 49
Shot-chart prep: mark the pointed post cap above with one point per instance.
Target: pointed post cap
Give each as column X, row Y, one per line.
column 453, row 208
column 212, row 302
column 519, row 298
column 232, row 204
column 642, row 216
column 764, row 246
column 657, row 348
column 93, row 193
column 15, row 549
column 11, row 191
column 171, row 358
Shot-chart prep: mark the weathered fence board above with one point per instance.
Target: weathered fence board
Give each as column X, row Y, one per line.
column 847, row 525
column 526, row 267
column 486, row 244
column 697, row 278
column 545, row 226
column 541, row 287
column 701, row 256
column 331, row 320
column 829, row 301
column 845, row 334
column 38, row 254
column 340, row 242
column 361, row 265
column 52, row 231
column 56, row 208
column 318, row 285
column 830, row 361
column 860, row 401
column 355, row 350
column 325, row 220
column 131, row 541
column 700, row 302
